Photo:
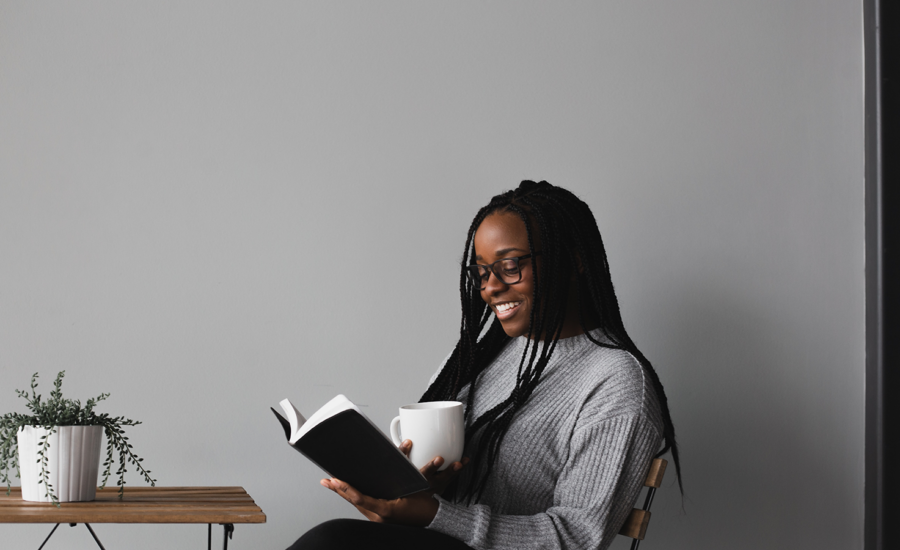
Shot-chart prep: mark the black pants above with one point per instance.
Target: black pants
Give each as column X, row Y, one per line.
column 352, row 534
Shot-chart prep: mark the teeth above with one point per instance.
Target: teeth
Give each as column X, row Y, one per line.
column 507, row 306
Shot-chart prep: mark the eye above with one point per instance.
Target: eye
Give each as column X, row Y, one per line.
column 509, row 267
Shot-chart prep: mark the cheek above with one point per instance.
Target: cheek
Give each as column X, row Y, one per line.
column 526, row 289
column 526, row 310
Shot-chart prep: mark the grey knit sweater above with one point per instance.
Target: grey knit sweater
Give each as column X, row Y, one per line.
column 574, row 458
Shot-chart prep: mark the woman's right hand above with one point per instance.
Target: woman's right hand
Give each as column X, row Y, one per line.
column 438, row 479
column 415, row 509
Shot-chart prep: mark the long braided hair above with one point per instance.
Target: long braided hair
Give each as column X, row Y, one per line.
column 570, row 245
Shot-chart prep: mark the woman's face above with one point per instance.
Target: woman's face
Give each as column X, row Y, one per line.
column 503, row 235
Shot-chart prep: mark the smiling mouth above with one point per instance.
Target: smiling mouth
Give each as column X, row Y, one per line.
column 506, row 310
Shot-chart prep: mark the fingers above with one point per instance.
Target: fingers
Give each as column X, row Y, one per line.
column 370, row 515
column 362, row 502
column 440, row 480
column 431, row 468
column 406, row 447
column 454, row 467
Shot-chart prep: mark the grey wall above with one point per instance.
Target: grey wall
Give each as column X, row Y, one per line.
column 206, row 207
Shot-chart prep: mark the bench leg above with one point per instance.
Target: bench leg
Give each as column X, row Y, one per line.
column 48, row 536
column 88, row 525
column 229, row 530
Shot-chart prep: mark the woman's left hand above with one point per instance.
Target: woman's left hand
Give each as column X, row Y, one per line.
column 417, row 509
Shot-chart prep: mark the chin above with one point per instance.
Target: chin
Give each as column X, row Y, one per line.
column 514, row 330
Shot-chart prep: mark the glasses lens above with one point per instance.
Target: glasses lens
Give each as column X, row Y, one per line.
column 506, row 270
column 509, row 271
column 478, row 275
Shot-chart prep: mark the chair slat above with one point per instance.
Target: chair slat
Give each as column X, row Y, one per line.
column 655, row 475
column 636, row 524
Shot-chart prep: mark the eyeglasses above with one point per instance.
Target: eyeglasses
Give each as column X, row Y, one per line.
column 507, row 270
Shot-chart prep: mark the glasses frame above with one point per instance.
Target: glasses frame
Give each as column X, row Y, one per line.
column 492, row 268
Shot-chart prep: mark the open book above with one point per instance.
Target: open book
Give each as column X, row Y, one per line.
column 341, row 440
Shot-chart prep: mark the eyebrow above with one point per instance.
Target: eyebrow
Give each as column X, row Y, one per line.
column 503, row 252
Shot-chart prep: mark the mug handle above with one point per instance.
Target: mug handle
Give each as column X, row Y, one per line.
column 395, row 431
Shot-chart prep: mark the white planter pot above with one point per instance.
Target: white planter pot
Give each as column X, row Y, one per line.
column 73, row 462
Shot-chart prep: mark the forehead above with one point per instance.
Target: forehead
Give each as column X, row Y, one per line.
column 500, row 231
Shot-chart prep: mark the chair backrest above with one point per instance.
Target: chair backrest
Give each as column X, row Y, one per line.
column 636, row 525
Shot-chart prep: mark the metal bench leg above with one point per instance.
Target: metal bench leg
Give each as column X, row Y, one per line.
column 229, row 530
column 73, row 525
column 48, row 536
column 88, row 525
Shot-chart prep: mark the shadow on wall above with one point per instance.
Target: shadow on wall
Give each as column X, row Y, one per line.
column 756, row 432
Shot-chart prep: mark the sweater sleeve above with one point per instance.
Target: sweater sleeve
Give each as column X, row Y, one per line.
column 597, row 488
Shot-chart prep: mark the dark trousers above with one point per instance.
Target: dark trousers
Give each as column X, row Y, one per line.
column 352, row 534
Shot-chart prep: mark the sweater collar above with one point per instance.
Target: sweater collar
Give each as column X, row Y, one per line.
column 567, row 345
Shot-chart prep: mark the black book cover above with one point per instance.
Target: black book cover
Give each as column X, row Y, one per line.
column 347, row 446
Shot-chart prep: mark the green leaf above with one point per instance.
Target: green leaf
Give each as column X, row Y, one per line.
column 59, row 411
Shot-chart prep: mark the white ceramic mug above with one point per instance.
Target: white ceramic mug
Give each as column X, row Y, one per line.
column 436, row 428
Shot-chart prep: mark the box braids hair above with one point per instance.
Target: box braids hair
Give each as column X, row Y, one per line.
column 571, row 244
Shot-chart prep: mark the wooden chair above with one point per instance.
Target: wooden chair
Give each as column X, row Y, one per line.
column 636, row 525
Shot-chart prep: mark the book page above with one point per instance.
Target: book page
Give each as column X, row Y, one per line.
column 300, row 425
column 336, row 405
column 294, row 418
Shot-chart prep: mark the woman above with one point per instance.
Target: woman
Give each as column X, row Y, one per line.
column 563, row 412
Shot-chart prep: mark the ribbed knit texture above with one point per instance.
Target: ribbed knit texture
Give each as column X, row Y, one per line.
column 574, row 458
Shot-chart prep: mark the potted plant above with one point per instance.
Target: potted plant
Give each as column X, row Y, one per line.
column 56, row 449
